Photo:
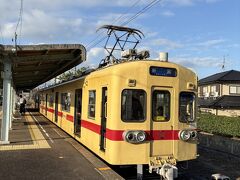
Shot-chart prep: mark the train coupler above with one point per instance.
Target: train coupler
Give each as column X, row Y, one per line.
column 164, row 166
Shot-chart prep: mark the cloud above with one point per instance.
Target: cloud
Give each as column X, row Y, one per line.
column 197, row 62
column 168, row 13
column 94, row 56
column 180, row 2
column 46, row 24
column 211, row 1
column 211, row 43
column 184, row 3
column 39, row 25
column 166, row 43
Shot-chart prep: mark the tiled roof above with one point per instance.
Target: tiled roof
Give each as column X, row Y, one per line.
column 231, row 76
column 221, row 102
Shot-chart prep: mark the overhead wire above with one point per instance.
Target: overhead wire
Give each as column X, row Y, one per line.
column 151, row 4
column 143, row 10
column 114, row 21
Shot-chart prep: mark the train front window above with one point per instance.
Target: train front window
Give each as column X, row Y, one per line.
column 187, row 107
column 133, row 105
column 160, row 105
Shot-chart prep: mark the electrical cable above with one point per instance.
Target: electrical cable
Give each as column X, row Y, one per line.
column 143, row 10
column 114, row 21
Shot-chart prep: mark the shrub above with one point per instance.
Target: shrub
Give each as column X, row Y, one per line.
column 228, row 126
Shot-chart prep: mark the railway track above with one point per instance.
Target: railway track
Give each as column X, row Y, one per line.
column 209, row 162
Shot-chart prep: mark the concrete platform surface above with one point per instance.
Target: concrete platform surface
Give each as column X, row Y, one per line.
column 40, row 150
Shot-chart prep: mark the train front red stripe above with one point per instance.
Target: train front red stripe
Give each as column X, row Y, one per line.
column 163, row 135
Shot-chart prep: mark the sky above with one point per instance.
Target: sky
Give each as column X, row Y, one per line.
column 198, row 34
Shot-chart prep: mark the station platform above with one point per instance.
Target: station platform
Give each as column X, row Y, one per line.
column 38, row 149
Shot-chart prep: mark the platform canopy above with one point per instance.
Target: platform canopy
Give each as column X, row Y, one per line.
column 33, row 65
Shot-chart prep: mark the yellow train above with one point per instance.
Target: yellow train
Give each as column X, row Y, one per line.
column 131, row 113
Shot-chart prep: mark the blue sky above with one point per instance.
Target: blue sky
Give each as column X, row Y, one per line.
column 197, row 33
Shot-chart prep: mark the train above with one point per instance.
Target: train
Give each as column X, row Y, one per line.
column 134, row 112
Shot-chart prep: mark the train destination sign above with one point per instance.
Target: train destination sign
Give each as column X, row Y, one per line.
column 163, row 71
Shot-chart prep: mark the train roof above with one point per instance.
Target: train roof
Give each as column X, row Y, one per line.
column 112, row 67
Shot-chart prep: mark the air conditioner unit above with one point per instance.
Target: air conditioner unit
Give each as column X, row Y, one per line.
column 206, row 94
column 128, row 53
column 212, row 93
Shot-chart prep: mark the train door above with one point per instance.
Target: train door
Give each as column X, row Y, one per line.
column 37, row 101
column 77, row 111
column 162, row 132
column 56, row 107
column 46, row 104
column 103, row 119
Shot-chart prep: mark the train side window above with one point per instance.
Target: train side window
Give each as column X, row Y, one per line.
column 133, row 105
column 91, row 104
column 161, row 105
column 187, row 107
column 51, row 99
column 65, row 101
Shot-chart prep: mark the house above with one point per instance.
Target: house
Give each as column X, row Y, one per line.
column 220, row 93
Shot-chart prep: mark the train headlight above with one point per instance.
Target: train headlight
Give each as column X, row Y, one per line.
column 134, row 137
column 141, row 136
column 186, row 135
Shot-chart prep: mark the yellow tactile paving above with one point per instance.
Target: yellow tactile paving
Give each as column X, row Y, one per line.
column 38, row 139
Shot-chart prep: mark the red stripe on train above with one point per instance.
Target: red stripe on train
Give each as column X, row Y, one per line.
column 163, row 135
column 69, row 118
column 116, row 135
column 50, row 110
column 91, row 126
column 60, row 114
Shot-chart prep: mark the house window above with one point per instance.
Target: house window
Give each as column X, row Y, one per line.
column 91, row 104
column 213, row 89
column 204, row 89
column 234, row 89
column 65, row 101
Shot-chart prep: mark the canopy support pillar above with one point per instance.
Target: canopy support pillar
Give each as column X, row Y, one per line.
column 7, row 78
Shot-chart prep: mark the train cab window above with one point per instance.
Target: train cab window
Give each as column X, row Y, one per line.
column 91, row 104
column 133, row 105
column 65, row 101
column 160, row 105
column 187, row 107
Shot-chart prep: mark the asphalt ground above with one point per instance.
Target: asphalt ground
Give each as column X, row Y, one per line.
column 40, row 150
